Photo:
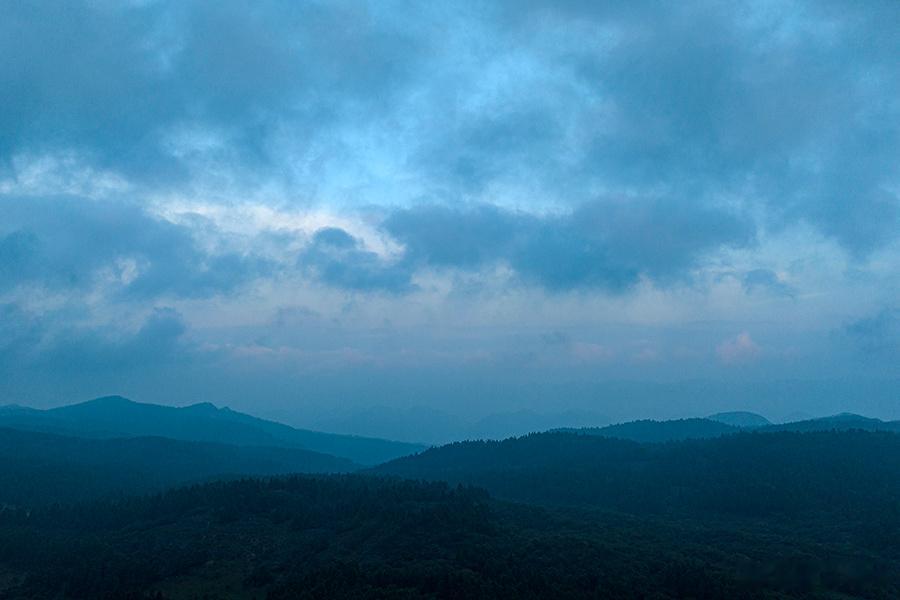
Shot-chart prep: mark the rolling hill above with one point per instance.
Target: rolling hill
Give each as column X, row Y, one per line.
column 40, row 468
column 752, row 474
column 114, row 416
column 654, row 432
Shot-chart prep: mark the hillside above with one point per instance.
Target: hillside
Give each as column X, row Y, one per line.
column 115, row 416
column 655, row 432
column 357, row 537
column 750, row 474
column 840, row 422
column 41, row 468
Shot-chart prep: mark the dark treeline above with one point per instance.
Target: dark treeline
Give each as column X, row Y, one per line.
column 746, row 474
column 362, row 537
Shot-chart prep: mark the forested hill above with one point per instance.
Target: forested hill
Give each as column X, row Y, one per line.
column 357, row 537
column 652, row 431
column 40, row 468
column 114, row 416
column 759, row 474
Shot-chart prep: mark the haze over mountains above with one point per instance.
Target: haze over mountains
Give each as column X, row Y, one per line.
column 112, row 446
column 718, row 507
column 114, row 416
column 43, row 468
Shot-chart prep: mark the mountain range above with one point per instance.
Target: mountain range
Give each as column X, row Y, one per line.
column 44, row 468
column 114, row 416
column 652, row 431
column 116, row 499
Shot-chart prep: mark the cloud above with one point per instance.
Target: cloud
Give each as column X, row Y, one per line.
column 738, row 350
column 340, row 260
column 878, row 334
column 582, row 166
column 608, row 245
column 767, row 281
column 142, row 87
column 72, row 244
column 57, row 344
column 788, row 108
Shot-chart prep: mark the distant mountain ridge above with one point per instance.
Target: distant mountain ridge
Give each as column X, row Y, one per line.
column 115, row 416
column 731, row 474
column 649, row 431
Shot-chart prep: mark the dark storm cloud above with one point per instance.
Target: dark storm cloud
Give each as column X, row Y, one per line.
column 114, row 80
column 790, row 107
column 73, row 244
column 338, row 259
column 53, row 343
column 878, row 334
column 607, row 245
column 157, row 340
column 542, row 145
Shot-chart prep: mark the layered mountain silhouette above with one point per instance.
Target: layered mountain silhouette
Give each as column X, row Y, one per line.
column 696, row 508
column 653, row 432
column 41, row 468
column 114, row 416
column 750, row 474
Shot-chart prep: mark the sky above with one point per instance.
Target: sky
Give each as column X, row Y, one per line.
column 306, row 209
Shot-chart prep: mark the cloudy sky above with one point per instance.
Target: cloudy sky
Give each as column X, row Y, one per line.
column 297, row 208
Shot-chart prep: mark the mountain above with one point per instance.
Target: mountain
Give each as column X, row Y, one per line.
column 650, row 431
column 752, row 474
column 38, row 468
column 654, row 432
column 839, row 422
column 114, row 416
column 739, row 418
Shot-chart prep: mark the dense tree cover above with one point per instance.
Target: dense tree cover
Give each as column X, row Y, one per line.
column 114, row 416
column 40, row 468
column 362, row 537
column 747, row 474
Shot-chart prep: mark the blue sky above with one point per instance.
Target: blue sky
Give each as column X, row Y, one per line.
column 300, row 207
